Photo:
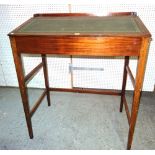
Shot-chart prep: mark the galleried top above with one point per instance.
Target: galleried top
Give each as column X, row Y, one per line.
column 83, row 25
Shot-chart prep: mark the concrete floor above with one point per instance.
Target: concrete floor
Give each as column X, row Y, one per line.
column 74, row 121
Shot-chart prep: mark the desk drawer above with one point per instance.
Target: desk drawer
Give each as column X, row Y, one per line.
column 81, row 45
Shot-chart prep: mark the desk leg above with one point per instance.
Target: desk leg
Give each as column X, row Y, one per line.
column 124, row 82
column 138, row 86
column 23, row 89
column 45, row 70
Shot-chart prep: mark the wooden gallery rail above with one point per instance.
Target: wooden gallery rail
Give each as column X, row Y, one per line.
column 81, row 34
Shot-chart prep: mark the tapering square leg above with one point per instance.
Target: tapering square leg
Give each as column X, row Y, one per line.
column 45, row 70
column 126, row 63
column 138, row 87
column 22, row 86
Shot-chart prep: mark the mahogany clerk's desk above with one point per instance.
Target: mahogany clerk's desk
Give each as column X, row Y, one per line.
column 82, row 35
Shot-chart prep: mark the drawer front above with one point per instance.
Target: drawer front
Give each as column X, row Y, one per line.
column 86, row 46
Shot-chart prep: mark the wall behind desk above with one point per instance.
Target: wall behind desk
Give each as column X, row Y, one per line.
column 12, row 16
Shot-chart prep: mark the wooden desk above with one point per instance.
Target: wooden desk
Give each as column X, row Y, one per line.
column 83, row 35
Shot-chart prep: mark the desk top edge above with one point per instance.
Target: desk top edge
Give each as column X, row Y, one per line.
column 143, row 30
